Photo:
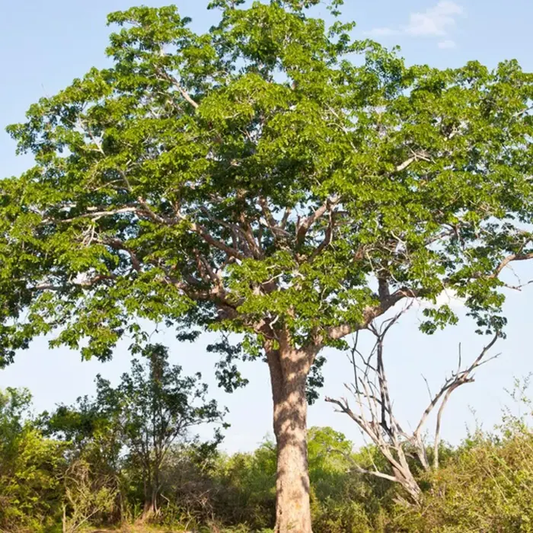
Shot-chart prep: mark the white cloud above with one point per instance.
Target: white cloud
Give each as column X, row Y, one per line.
column 450, row 298
column 447, row 44
column 436, row 21
column 447, row 297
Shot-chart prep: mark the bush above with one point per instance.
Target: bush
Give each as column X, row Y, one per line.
column 487, row 486
column 30, row 469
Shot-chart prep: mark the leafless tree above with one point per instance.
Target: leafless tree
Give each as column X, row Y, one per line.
column 373, row 410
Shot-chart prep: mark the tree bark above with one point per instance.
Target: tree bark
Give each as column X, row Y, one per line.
column 408, row 482
column 288, row 372
column 150, row 503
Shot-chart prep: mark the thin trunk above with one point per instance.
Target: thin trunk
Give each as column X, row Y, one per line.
column 156, row 486
column 150, row 502
column 148, row 510
column 288, row 372
column 64, row 519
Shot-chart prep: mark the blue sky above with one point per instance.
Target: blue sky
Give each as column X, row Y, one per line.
column 44, row 45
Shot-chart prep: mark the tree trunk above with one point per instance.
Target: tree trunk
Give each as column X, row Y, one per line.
column 150, row 503
column 407, row 480
column 148, row 511
column 288, row 373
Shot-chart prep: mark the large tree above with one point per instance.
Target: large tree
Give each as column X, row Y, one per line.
column 271, row 177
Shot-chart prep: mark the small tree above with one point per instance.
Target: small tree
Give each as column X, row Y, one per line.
column 257, row 179
column 158, row 407
column 152, row 408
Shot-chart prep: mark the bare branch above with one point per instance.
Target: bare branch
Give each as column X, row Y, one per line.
column 326, row 242
column 81, row 281
column 165, row 75
column 236, row 229
column 285, row 218
column 376, row 416
column 417, row 156
column 117, row 244
column 94, row 214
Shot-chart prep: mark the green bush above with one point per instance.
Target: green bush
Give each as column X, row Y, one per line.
column 31, row 467
column 486, row 486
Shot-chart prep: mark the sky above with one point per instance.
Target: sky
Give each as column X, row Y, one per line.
column 44, row 45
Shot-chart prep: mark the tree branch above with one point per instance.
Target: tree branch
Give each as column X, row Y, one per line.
column 509, row 259
column 371, row 313
column 306, row 223
column 179, row 87
column 417, row 156
column 460, row 378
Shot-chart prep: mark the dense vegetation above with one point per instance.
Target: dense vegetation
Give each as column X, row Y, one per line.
column 51, row 483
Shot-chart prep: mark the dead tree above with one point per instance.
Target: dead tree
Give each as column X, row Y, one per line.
column 373, row 410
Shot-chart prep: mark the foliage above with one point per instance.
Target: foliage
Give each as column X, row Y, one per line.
column 259, row 174
column 485, row 487
column 88, row 497
column 483, row 484
column 31, row 467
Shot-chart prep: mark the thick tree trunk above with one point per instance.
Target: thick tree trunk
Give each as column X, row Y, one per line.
column 288, row 372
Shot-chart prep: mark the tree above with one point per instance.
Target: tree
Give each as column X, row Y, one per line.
column 374, row 412
column 153, row 407
column 262, row 179
column 158, row 406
